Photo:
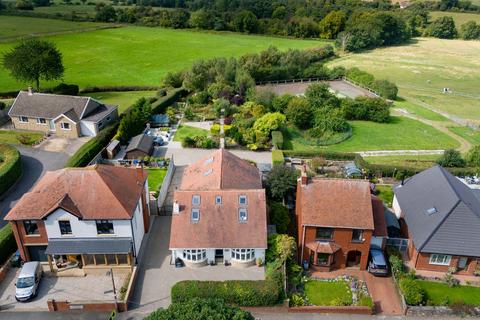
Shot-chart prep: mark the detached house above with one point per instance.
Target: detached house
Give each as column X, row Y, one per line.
column 83, row 217
column 336, row 222
column 67, row 116
column 219, row 213
column 442, row 216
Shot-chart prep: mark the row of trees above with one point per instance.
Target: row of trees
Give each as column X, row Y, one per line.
column 444, row 28
column 454, row 159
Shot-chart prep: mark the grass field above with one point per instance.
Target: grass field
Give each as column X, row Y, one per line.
column 23, row 26
column 438, row 293
column 472, row 136
column 20, row 137
column 155, row 178
column 417, row 110
column 187, row 131
column 142, row 56
column 459, row 17
column 123, row 99
column 422, row 69
column 416, row 161
column 400, row 134
column 324, row 293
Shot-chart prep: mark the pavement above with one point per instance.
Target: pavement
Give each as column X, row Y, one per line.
column 35, row 162
column 156, row 275
column 39, row 315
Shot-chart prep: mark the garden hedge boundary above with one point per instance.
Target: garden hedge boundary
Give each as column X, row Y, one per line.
column 93, row 89
column 10, row 171
column 243, row 293
column 89, row 150
column 161, row 105
column 277, row 157
column 7, row 243
column 332, row 155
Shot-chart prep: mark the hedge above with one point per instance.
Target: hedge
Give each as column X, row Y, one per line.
column 7, row 243
column 277, row 157
column 11, row 169
column 243, row 293
column 118, row 88
column 331, row 155
column 161, row 105
column 277, row 139
column 89, row 150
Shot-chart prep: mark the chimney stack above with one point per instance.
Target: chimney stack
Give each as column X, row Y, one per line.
column 30, row 91
column 304, row 177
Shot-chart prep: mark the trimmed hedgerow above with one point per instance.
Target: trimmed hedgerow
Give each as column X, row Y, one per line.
column 277, row 139
column 277, row 157
column 331, row 155
column 7, row 243
column 10, row 167
column 117, row 88
column 244, row 293
column 161, row 105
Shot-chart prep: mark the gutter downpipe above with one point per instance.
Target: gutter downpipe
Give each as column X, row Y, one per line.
column 303, row 245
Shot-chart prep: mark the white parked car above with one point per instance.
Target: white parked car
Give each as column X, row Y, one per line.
column 28, row 281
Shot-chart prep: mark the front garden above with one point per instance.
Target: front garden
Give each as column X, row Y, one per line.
column 27, row 138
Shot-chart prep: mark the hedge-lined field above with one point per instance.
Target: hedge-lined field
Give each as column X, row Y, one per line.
column 123, row 99
column 142, row 56
column 10, row 167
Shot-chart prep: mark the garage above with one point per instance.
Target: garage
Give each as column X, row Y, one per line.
column 37, row 253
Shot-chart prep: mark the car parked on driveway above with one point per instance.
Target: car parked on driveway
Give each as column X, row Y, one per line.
column 377, row 264
column 28, row 281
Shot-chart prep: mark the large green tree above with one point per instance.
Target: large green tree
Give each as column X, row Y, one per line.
column 332, row 24
column 280, row 181
column 34, row 60
column 443, row 28
column 470, row 30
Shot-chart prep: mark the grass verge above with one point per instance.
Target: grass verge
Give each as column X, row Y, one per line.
column 325, row 293
column 188, row 131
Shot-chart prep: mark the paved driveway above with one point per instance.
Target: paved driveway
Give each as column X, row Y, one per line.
column 156, row 276
column 35, row 162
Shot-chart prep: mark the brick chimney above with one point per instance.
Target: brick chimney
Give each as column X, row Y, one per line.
column 30, row 91
column 303, row 176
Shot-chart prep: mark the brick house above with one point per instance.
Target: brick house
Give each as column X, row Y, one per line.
column 66, row 116
column 219, row 213
column 89, row 217
column 441, row 216
column 336, row 222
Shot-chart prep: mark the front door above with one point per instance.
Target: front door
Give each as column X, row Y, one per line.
column 219, row 255
column 51, row 125
column 462, row 262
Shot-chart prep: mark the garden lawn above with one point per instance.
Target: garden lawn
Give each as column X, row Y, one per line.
column 423, row 68
column 123, row 99
column 143, row 56
column 187, row 131
column 419, row 111
column 400, row 134
column 385, row 192
column 155, row 178
column 414, row 161
column 15, row 137
column 437, row 293
column 11, row 26
column 324, row 293
column 469, row 134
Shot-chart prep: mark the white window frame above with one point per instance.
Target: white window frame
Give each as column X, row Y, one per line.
column 243, row 255
column 197, row 213
column 40, row 122
column 195, row 255
column 440, row 259
column 63, row 127
column 218, row 199
column 21, row 119
column 240, row 212
column 194, row 200
column 240, row 200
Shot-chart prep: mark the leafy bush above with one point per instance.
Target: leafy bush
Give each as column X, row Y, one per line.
column 280, row 181
column 67, row 89
column 7, row 243
column 277, row 139
column 413, row 293
column 450, row 280
column 200, row 142
column 164, row 102
column 90, row 149
column 277, row 157
column 451, row 158
column 10, row 167
column 117, row 88
column 215, row 129
column 473, row 156
column 364, row 108
column 297, row 300
column 331, row 155
column 245, row 293
column 279, row 216
column 384, row 88
column 443, row 28
column 200, row 309
column 397, row 266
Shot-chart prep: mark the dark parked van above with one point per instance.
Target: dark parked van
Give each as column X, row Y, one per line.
column 377, row 264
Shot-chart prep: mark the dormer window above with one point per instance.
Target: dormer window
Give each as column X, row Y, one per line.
column 218, row 200
column 195, row 215
column 196, row 200
column 242, row 215
column 242, row 200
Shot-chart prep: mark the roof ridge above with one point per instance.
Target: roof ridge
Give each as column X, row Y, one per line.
column 55, row 94
column 444, row 173
column 95, row 169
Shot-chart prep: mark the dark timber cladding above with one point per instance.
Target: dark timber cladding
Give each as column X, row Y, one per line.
column 89, row 246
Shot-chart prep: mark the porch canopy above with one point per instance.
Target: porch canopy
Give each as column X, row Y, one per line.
column 323, row 247
column 89, row 246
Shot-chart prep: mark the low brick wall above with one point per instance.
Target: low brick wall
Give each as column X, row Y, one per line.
column 332, row 309
column 62, row 305
column 429, row 311
column 123, row 306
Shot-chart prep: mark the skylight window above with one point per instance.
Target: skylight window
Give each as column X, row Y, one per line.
column 195, row 215
column 218, row 200
column 196, row 200
column 242, row 215
column 242, row 200
column 431, row 211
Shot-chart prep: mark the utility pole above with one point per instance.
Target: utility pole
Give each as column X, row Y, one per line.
column 114, row 289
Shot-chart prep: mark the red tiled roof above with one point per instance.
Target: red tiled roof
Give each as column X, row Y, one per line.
column 337, row 203
column 323, row 247
column 95, row 192
column 379, row 217
column 221, row 174
column 221, row 170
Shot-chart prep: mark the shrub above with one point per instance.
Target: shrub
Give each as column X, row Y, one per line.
column 10, row 167
column 279, row 216
column 117, row 88
column 172, row 96
column 277, row 139
column 413, row 293
column 244, row 293
column 385, row 89
column 7, row 243
column 331, row 155
column 364, row 108
column 397, row 266
column 90, row 149
column 451, row 158
column 473, row 156
column 200, row 142
column 450, row 280
column 443, row 28
column 318, row 162
column 277, row 157
column 67, row 89
column 297, row 300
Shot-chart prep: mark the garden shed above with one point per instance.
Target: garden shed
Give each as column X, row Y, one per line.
column 139, row 147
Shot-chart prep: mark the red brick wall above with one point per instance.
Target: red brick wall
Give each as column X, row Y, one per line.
column 328, row 309
column 24, row 240
column 57, row 305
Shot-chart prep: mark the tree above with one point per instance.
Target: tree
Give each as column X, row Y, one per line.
column 41, row 3
column 201, row 19
column 280, row 103
column 443, row 28
column 473, row 156
column 470, row 31
column 200, row 309
column 245, row 21
column 174, row 79
column 269, row 122
column 23, row 5
column 332, row 24
column 300, row 113
column 451, row 158
column 281, row 247
column 279, row 216
column 280, row 181
column 33, row 60
column 106, row 14
column 319, row 96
